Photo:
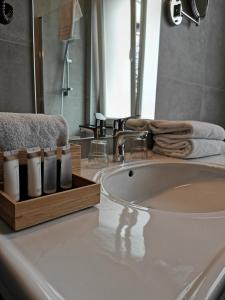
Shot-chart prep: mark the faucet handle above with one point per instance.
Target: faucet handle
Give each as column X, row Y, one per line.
column 99, row 116
column 100, row 120
column 119, row 124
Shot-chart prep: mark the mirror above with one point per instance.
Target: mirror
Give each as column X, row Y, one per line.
column 199, row 8
column 99, row 63
column 176, row 11
column 61, row 64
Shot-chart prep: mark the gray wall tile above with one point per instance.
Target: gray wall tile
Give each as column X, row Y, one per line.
column 215, row 48
column 192, row 67
column 213, row 106
column 181, row 52
column 179, row 100
column 16, row 60
column 16, row 78
column 20, row 29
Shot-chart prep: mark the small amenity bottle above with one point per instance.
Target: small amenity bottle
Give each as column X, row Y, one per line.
column 66, row 168
column 34, row 172
column 11, row 174
column 50, row 171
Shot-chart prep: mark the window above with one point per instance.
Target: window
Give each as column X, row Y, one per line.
column 117, row 45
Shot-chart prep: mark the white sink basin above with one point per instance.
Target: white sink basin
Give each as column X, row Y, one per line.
column 176, row 187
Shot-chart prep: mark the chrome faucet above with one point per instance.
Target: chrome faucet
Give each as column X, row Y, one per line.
column 120, row 135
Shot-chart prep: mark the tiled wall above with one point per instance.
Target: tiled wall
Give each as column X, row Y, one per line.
column 191, row 75
column 16, row 65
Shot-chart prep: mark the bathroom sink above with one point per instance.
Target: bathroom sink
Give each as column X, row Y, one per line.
column 167, row 186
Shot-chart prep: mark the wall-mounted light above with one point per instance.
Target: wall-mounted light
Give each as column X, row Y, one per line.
column 176, row 12
column 6, row 12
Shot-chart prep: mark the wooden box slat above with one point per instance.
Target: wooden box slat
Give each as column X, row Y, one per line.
column 20, row 215
column 7, row 209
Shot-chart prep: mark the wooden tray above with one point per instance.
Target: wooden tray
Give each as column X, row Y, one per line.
column 23, row 214
column 20, row 215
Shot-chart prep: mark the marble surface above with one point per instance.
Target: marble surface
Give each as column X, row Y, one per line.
column 113, row 251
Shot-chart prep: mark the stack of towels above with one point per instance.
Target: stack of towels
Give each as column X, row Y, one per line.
column 183, row 139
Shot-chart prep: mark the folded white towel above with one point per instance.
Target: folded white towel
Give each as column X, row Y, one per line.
column 138, row 124
column 188, row 148
column 18, row 131
column 187, row 129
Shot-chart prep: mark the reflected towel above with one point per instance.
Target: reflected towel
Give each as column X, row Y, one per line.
column 66, row 20
column 138, row 124
column 18, row 131
column 69, row 14
column 188, row 148
column 187, row 129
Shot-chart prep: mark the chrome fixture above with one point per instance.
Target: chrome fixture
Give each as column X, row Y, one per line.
column 66, row 88
column 120, row 135
column 176, row 12
column 67, row 62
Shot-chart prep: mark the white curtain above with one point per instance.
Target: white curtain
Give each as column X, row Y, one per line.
column 150, row 63
column 110, row 63
column 96, row 65
column 112, row 89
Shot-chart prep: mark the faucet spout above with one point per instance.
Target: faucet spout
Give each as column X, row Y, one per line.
column 119, row 139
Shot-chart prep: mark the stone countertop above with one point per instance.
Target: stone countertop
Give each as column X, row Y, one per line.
column 112, row 251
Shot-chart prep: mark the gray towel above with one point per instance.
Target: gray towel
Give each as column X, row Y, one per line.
column 19, row 131
column 187, row 129
column 188, row 148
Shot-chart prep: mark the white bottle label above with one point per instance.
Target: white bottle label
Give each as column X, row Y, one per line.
column 34, row 176
column 11, row 178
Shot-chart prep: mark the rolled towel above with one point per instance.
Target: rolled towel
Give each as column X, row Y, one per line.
column 189, row 148
column 138, row 124
column 187, row 129
column 18, row 131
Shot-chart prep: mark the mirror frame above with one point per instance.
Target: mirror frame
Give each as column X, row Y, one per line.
column 37, row 62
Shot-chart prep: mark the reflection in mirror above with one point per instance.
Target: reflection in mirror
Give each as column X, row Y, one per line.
column 60, row 63
column 176, row 11
column 199, row 8
column 96, row 56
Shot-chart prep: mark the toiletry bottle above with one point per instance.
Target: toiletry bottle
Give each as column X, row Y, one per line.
column 50, row 171
column 34, row 172
column 11, row 174
column 66, row 168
